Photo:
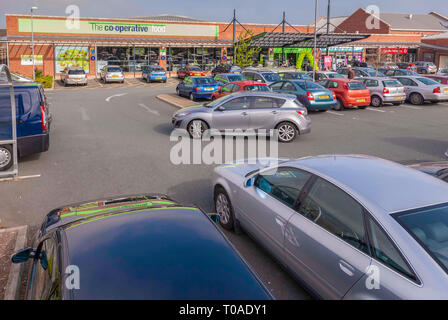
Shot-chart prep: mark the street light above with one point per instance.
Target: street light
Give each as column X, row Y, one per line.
column 32, row 40
column 315, row 39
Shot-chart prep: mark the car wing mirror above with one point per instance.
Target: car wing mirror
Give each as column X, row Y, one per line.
column 221, row 108
column 23, row 255
column 249, row 182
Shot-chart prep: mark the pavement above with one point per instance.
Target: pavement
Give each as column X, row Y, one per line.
column 113, row 142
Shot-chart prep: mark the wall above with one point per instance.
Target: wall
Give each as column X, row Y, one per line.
column 16, row 51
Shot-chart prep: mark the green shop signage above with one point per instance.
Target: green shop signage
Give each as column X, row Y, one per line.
column 117, row 28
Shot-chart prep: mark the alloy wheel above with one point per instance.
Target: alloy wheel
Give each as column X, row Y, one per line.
column 196, row 129
column 5, row 157
column 223, row 208
column 286, row 132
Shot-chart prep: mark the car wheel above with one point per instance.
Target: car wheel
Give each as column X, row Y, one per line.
column 287, row 132
column 177, row 91
column 191, row 96
column 6, row 158
column 196, row 128
column 224, row 209
column 339, row 105
column 416, row 98
column 147, row 80
column 376, row 101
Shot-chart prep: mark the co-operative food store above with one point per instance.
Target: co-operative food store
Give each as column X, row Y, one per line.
column 92, row 43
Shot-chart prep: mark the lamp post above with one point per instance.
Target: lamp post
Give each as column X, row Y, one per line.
column 315, row 39
column 32, row 40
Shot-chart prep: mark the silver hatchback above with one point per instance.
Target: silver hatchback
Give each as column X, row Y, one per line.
column 420, row 89
column 258, row 112
column 384, row 90
column 346, row 226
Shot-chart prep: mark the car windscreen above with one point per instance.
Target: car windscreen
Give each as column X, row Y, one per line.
column 76, row 72
column 195, row 69
column 157, row 69
column 271, row 76
column 256, row 87
column 356, row 86
column 430, row 227
column 428, row 82
column 205, row 80
column 392, row 83
column 306, row 85
column 234, row 78
column 113, row 69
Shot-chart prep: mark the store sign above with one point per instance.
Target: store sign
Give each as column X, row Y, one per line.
column 327, row 61
column 27, row 60
column 394, row 50
column 118, row 28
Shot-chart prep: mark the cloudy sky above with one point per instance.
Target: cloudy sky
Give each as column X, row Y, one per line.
column 261, row 11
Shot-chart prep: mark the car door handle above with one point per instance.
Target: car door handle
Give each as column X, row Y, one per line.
column 244, row 113
column 274, row 112
column 346, row 268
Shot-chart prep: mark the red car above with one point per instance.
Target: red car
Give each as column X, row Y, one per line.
column 235, row 86
column 439, row 79
column 190, row 71
column 349, row 93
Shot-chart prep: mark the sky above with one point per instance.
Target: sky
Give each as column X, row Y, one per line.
column 257, row 11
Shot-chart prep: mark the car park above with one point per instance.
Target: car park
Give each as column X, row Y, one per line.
column 438, row 78
column 33, row 121
column 190, row 71
column 312, row 95
column 384, row 90
column 136, row 247
column 349, row 93
column 292, row 75
column 112, row 73
column 223, row 78
column 331, row 219
column 74, row 76
column 262, row 76
column 154, row 73
column 257, row 111
column 420, row 89
column 424, row 67
column 326, row 75
column 197, row 87
column 438, row 170
column 237, row 86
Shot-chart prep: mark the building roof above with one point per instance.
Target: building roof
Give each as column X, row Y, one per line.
column 411, row 21
column 442, row 35
column 322, row 23
column 170, row 18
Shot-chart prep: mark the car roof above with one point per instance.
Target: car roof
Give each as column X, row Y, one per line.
column 378, row 182
column 245, row 83
column 263, row 93
column 375, row 78
column 153, row 248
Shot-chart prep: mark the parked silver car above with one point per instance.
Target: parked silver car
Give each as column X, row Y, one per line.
column 425, row 67
column 420, row 89
column 264, row 76
column 247, row 110
column 112, row 74
column 346, row 226
column 74, row 76
column 384, row 90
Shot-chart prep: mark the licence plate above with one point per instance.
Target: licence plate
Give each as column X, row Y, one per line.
column 324, row 97
column 158, row 78
column 114, row 76
column 208, row 89
column 445, row 90
column 398, row 98
column 77, row 79
column 360, row 100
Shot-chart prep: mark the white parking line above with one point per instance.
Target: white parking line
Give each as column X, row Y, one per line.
column 149, row 109
column 411, row 107
column 372, row 109
column 335, row 113
column 115, row 95
column 84, row 114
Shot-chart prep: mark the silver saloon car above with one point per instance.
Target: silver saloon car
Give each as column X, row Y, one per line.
column 345, row 226
column 255, row 111
column 384, row 90
column 420, row 89
column 112, row 74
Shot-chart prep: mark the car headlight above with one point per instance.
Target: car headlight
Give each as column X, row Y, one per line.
column 182, row 114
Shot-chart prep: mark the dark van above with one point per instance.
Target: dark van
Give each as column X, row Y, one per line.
column 33, row 121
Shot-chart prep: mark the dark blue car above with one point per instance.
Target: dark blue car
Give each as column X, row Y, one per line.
column 154, row 73
column 197, row 87
column 136, row 247
column 33, row 121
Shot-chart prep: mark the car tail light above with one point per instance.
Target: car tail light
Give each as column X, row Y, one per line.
column 150, row 73
column 334, row 96
column 385, row 90
column 197, row 88
column 301, row 112
column 437, row 90
column 404, row 90
column 310, row 96
column 44, row 118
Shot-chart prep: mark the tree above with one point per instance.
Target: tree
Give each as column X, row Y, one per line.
column 243, row 51
column 309, row 54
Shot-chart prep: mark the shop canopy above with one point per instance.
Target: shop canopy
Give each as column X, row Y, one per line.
column 304, row 40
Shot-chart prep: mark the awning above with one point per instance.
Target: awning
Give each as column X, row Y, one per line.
column 304, row 40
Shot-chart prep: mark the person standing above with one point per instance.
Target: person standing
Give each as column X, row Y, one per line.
column 351, row 73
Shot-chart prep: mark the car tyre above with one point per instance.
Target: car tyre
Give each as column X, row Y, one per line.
column 196, row 128
column 147, row 79
column 416, row 99
column 224, row 209
column 287, row 132
column 6, row 157
column 178, row 92
column 339, row 105
column 192, row 96
column 376, row 102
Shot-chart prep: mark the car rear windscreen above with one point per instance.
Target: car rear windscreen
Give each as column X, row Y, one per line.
column 356, row 86
column 256, row 87
column 308, row 85
column 234, row 78
column 195, row 69
column 205, row 81
column 113, row 69
column 76, row 72
column 392, row 83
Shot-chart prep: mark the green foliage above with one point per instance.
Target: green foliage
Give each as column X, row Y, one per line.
column 305, row 53
column 244, row 53
column 46, row 81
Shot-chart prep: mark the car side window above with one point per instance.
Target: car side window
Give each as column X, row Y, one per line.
column 288, row 86
column 46, row 282
column 248, row 75
column 277, row 85
column 266, row 102
column 371, row 83
column 241, row 103
column 337, row 212
column 332, row 85
column 227, row 88
column 235, row 88
column 386, row 252
column 284, row 184
column 258, row 77
column 323, row 83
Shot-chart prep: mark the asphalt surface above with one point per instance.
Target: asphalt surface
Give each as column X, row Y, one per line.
column 114, row 140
